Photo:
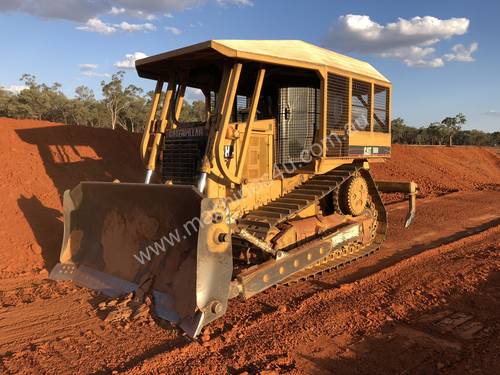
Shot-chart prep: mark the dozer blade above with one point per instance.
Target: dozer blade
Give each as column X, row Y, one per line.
column 118, row 235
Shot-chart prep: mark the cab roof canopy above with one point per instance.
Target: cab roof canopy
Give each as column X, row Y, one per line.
column 204, row 60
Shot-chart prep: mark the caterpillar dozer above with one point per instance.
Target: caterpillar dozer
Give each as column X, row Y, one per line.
column 271, row 185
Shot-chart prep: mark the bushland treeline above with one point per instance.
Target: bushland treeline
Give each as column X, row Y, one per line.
column 127, row 107
column 447, row 132
column 121, row 106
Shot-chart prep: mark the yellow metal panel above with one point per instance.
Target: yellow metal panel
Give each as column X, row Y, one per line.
column 296, row 53
column 362, row 138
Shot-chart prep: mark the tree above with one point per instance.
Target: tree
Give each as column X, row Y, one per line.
column 118, row 102
column 398, row 127
column 453, row 125
column 5, row 100
column 435, row 133
column 83, row 108
column 133, row 116
column 127, row 107
column 114, row 98
column 40, row 101
column 193, row 112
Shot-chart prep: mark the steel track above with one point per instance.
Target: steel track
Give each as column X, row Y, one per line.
column 352, row 252
column 260, row 221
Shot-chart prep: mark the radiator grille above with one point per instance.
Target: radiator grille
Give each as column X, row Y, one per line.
column 298, row 121
column 182, row 159
column 381, row 109
column 361, row 102
column 337, row 116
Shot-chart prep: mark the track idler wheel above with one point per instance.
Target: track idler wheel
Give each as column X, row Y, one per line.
column 353, row 196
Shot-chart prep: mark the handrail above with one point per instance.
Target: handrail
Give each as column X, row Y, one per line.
column 152, row 116
column 178, row 103
column 250, row 122
column 222, row 125
column 206, row 164
column 163, row 125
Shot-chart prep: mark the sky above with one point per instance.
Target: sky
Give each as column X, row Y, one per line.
column 443, row 57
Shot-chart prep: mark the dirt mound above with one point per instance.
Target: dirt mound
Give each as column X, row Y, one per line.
column 383, row 314
column 440, row 170
column 40, row 160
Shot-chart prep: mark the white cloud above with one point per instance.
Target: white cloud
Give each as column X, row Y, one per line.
column 14, row 89
column 84, row 10
column 415, row 57
column 436, row 62
column 408, row 40
column 492, row 112
column 73, row 10
column 114, row 11
column 129, row 61
column 89, row 70
column 158, row 6
column 462, row 53
column 95, row 25
column 169, row 15
column 134, row 27
column 173, row 30
column 241, row 3
column 86, row 67
column 412, row 52
column 96, row 74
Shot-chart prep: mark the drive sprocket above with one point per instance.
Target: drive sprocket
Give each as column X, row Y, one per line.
column 353, row 196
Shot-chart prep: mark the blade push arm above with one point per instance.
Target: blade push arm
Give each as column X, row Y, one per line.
column 409, row 188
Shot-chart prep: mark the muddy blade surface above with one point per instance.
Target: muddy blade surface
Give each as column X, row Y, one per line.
column 117, row 235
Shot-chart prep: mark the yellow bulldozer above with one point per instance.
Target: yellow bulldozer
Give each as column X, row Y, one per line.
column 270, row 187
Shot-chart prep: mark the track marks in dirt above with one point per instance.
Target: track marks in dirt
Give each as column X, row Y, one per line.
column 66, row 335
column 265, row 332
column 389, row 321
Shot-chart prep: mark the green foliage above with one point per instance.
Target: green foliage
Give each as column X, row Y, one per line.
column 123, row 103
column 447, row 132
column 5, row 102
column 452, row 125
column 121, row 106
column 193, row 112
column 39, row 101
column 127, row 108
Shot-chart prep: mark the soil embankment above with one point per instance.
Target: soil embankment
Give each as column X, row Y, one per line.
column 427, row 302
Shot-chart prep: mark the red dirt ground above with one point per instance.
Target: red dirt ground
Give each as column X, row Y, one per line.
column 428, row 301
column 39, row 161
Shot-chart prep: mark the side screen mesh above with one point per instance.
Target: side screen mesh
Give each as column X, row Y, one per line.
column 337, row 116
column 298, row 121
column 338, row 102
column 361, row 102
column 381, row 109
